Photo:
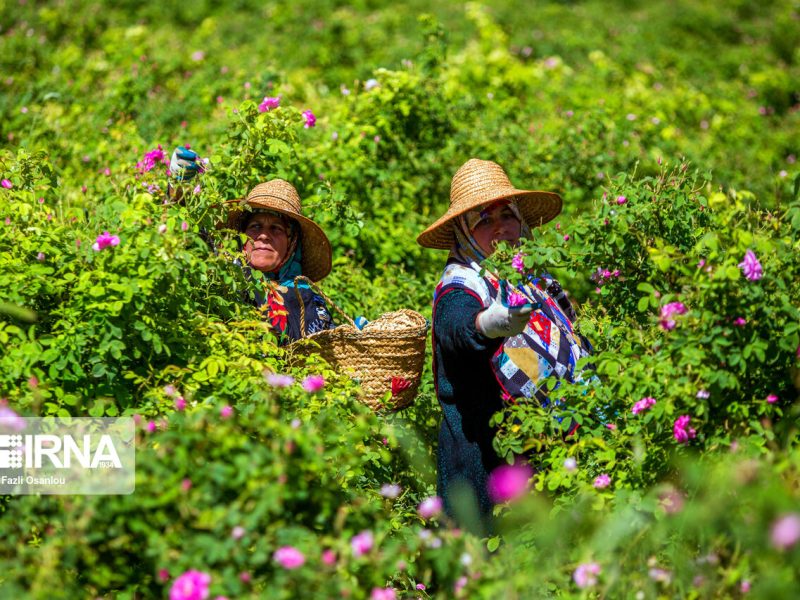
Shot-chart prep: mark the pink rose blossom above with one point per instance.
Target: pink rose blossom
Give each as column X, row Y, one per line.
column 192, row 585
column 785, row 531
column 745, row 586
column 289, row 557
column 680, row 430
column 279, row 381
column 163, row 575
column 586, row 575
column 430, row 507
column 311, row 120
column 421, row 587
column 667, row 311
column 151, row 426
column 268, row 103
column 40, row 256
column 740, row 322
column 105, row 240
column 516, row 299
column 602, row 481
column 7, row 184
column 621, row 200
column 703, row 394
column 566, row 238
column 151, row 159
column 10, row 420
column 361, row 543
column 162, row 229
column 226, row 412
column 570, row 464
column 238, row 532
column 390, row 490
column 611, row 426
column 518, row 263
column 244, row 577
column 750, row 266
column 643, row 404
column 772, row 399
column 329, row 557
column 508, row 482
column 186, row 485
column 184, row 226
column 180, row 403
column 313, row 383
column 383, row 594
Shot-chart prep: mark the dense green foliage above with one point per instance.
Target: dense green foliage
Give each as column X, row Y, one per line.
column 670, row 130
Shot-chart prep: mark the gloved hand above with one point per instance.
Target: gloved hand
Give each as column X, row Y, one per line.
column 183, row 165
column 502, row 320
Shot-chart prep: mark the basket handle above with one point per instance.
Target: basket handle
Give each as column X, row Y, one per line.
column 328, row 301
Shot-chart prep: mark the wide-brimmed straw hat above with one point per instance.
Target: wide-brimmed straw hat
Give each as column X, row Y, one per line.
column 282, row 197
column 480, row 182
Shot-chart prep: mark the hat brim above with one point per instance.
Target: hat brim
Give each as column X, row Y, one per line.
column 316, row 247
column 536, row 207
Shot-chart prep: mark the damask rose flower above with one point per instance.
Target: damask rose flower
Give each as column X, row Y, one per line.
column 750, row 266
column 104, row 240
column 602, row 481
column 268, row 103
column 289, row 557
column 643, row 404
column 192, row 585
column 681, row 430
column 668, row 311
column 361, row 543
column 516, row 299
column 311, row 120
column 313, row 383
column 785, row 531
column 430, row 507
column 586, row 575
column 508, row 482
column 518, row 263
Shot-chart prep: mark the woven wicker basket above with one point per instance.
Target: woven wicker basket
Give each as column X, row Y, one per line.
column 386, row 357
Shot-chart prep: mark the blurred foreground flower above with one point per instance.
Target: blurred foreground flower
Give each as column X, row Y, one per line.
column 586, row 574
column 105, row 240
column 10, row 420
column 289, row 557
column 430, row 507
column 751, row 267
column 361, row 543
column 390, row 490
column 313, row 383
column 192, row 585
column 278, row 380
column 785, row 532
column 508, row 482
column 383, row 594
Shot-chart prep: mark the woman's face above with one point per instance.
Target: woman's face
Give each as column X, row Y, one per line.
column 269, row 241
column 499, row 223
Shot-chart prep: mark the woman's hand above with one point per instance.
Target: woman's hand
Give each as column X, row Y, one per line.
column 183, row 165
column 501, row 320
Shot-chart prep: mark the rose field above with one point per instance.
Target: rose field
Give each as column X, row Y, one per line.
column 670, row 128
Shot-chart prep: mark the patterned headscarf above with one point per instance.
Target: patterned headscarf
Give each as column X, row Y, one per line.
column 279, row 305
column 466, row 249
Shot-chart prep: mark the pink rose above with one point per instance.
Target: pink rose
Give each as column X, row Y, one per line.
column 192, row 585
column 602, row 481
column 289, row 557
column 508, row 482
column 750, row 266
column 313, row 383
column 643, row 404
column 361, row 543
column 430, row 507
column 586, row 575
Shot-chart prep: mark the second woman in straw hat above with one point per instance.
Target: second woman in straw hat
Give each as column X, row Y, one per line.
column 283, row 244
column 490, row 343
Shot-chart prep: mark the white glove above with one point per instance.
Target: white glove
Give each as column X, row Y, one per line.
column 501, row 320
column 184, row 164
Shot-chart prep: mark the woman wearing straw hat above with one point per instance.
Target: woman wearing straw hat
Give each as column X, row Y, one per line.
column 490, row 343
column 283, row 245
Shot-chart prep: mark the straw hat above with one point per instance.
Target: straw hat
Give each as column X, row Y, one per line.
column 280, row 196
column 480, row 182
